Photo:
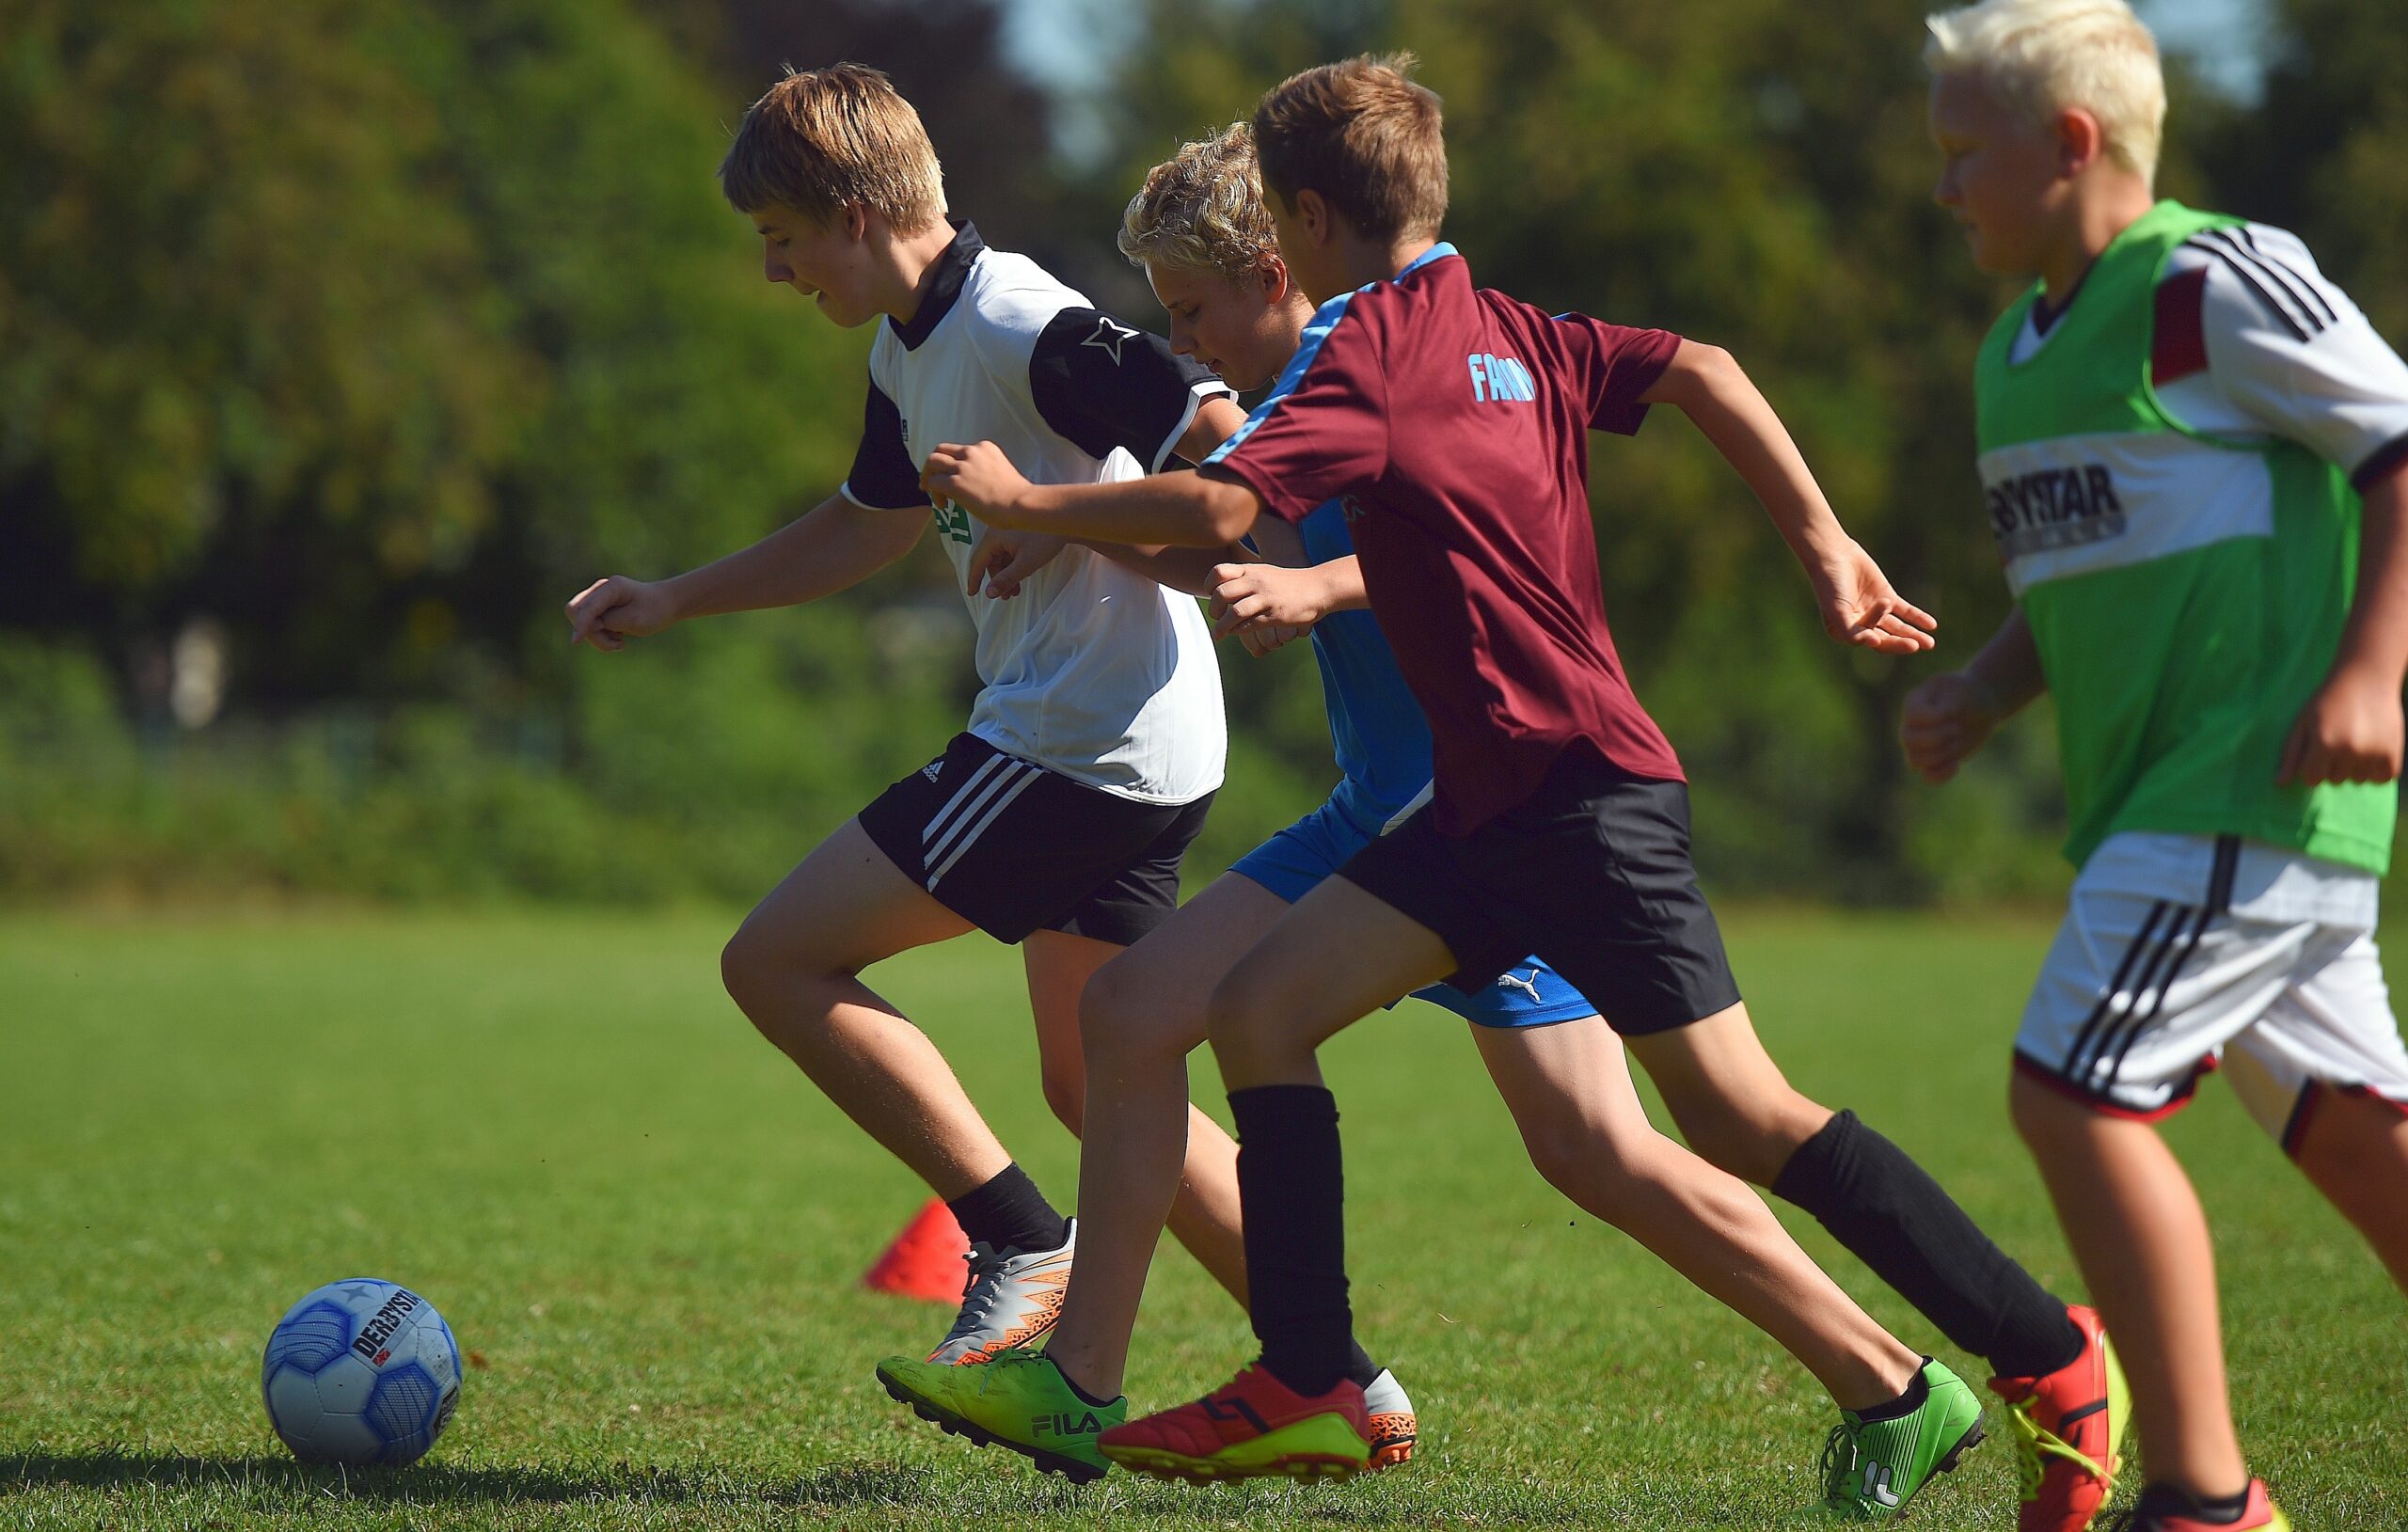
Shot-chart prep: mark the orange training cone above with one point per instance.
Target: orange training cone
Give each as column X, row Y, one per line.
column 925, row 1260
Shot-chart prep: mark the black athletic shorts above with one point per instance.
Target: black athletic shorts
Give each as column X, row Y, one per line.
column 1592, row 874
column 1012, row 847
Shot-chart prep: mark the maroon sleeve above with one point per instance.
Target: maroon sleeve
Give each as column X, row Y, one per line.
column 1322, row 432
column 1610, row 366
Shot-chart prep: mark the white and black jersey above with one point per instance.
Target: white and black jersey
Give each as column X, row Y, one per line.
column 1093, row 670
column 2251, row 340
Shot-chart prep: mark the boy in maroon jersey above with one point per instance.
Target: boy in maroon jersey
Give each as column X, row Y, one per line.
column 1453, row 424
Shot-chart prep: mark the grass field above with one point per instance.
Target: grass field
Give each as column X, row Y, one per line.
column 645, row 1227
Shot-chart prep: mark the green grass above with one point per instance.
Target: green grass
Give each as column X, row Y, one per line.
column 646, row 1228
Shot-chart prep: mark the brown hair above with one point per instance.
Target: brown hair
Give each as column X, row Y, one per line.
column 823, row 140
column 1365, row 136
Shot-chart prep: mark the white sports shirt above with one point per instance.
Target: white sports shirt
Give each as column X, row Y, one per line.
column 1092, row 669
column 2252, row 342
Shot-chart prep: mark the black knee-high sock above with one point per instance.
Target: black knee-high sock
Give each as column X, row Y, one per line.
column 1292, row 1185
column 1895, row 1219
column 1010, row 1213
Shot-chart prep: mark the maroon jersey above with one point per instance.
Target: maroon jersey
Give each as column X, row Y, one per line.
column 1452, row 424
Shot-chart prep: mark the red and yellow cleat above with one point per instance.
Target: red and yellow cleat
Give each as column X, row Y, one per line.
column 1252, row 1427
column 2067, row 1426
column 2164, row 1511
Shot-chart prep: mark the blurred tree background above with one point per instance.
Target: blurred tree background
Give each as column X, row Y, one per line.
column 340, row 342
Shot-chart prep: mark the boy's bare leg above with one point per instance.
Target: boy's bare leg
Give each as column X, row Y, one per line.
column 1287, row 996
column 1142, row 1016
column 1739, row 1113
column 1204, row 1209
column 1570, row 1091
column 1729, row 1099
column 794, row 967
column 2355, row 1150
column 2137, row 1230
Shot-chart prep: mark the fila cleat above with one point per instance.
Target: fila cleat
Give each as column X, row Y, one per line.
column 1018, row 1400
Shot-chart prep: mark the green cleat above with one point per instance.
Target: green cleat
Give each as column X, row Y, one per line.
column 1017, row 1398
column 1871, row 1469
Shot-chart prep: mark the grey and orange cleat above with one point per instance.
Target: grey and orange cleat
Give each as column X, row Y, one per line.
column 1392, row 1422
column 1013, row 1298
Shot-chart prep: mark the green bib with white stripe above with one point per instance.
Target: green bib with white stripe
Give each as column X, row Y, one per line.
column 2187, row 594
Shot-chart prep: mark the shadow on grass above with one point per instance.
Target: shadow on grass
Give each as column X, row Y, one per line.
column 438, row 1483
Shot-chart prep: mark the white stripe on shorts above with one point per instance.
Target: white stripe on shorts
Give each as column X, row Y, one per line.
column 986, row 768
column 1020, row 784
column 1013, row 772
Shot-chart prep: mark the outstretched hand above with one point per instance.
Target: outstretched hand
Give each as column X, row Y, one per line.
column 1860, row 608
column 979, row 478
column 611, row 611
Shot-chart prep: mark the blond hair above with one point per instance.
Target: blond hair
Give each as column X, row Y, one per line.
column 1201, row 210
column 1365, row 136
column 2046, row 55
column 824, row 140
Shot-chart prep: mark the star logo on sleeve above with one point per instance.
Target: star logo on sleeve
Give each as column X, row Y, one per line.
column 1109, row 337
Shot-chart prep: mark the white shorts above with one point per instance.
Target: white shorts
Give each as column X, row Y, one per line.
column 2180, row 953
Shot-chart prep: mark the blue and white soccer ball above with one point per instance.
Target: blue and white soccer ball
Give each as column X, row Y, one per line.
column 360, row 1371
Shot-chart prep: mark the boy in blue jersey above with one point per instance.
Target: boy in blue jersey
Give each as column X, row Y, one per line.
column 1200, row 230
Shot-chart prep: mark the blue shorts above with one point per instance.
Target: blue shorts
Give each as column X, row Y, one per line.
column 1292, row 862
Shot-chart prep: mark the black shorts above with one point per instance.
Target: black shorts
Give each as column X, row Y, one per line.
column 1592, row 875
column 1012, row 847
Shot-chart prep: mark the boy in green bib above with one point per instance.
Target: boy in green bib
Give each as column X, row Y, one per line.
column 2191, row 449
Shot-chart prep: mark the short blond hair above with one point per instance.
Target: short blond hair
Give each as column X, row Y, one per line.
column 1363, row 135
column 1201, row 210
column 824, row 140
column 2046, row 55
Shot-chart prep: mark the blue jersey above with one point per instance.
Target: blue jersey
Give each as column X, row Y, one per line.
column 1383, row 744
column 1382, row 739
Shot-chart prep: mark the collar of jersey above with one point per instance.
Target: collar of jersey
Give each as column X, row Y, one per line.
column 1439, row 251
column 951, row 268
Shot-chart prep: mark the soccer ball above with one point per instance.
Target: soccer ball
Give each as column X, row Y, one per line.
column 360, row 1371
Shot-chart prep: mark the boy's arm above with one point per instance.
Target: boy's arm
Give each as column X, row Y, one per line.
column 836, row 545
column 1859, row 606
column 1182, row 509
column 2352, row 729
column 1248, row 597
column 1950, row 717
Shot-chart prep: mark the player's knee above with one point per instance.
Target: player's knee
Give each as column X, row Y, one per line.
column 764, row 976
column 1236, row 1013
column 1066, row 1092
column 1736, row 1141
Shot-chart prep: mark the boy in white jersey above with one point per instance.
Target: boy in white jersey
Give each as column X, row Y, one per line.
column 1057, row 820
column 2193, row 446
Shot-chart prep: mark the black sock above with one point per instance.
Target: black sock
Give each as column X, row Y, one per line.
column 1072, row 1384
column 1359, row 1365
column 1896, row 1220
column 1010, row 1213
column 2220, row 1511
column 1918, row 1394
column 1291, row 1182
